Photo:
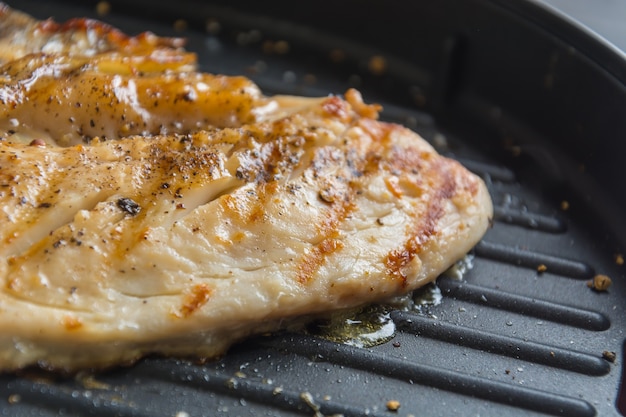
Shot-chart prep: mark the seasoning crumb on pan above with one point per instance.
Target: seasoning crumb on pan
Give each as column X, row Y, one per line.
column 180, row 25
column 258, row 67
column 248, row 37
column 212, row 26
column 103, row 8
column 619, row 259
column 267, row 47
column 564, row 205
column 89, row 381
column 310, row 79
column 600, row 283
column 281, row 47
column 609, row 356
column 308, row 399
column 377, row 65
column 14, row 398
column 440, row 141
column 393, row 405
column 337, row 55
column 418, row 95
column 542, row 268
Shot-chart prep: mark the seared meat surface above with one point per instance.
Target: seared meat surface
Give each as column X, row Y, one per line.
column 183, row 243
column 65, row 100
column 21, row 35
column 69, row 83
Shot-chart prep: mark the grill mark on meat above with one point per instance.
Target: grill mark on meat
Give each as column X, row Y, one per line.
column 408, row 159
column 44, row 209
column 250, row 208
column 197, row 170
column 312, row 261
column 426, row 226
column 194, row 300
column 340, row 208
column 339, row 191
column 410, row 171
column 272, row 156
column 333, row 217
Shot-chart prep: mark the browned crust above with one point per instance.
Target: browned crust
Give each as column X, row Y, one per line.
column 109, row 37
column 113, row 36
column 246, row 272
column 310, row 263
column 195, row 299
column 424, row 227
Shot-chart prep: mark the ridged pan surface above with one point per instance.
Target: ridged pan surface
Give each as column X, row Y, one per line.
column 519, row 334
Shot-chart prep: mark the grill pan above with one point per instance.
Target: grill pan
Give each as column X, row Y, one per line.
column 524, row 97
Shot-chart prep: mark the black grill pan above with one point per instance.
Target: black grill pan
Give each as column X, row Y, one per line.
column 520, row 95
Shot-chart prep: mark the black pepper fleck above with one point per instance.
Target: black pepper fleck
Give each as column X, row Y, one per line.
column 129, row 206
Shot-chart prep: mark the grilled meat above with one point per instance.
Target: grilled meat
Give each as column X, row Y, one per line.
column 21, row 35
column 65, row 100
column 183, row 243
column 69, row 83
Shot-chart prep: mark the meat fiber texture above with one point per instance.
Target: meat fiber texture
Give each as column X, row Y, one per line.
column 184, row 242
